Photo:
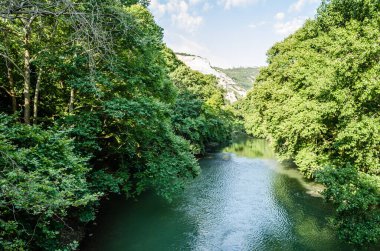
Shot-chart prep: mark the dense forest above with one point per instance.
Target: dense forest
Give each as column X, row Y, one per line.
column 92, row 103
column 318, row 104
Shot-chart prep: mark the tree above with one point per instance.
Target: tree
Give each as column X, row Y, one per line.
column 97, row 78
column 317, row 102
column 86, row 22
column 199, row 114
column 41, row 180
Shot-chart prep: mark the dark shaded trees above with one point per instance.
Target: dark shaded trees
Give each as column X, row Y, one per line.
column 94, row 78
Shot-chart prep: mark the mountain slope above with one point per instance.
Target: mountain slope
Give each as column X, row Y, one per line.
column 234, row 91
column 243, row 76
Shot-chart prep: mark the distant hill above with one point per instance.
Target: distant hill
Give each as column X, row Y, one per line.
column 243, row 76
column 234, row 91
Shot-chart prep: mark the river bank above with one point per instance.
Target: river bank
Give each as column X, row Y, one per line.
column 243, row 200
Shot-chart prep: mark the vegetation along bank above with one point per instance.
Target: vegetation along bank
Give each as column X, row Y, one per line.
column 93, row 103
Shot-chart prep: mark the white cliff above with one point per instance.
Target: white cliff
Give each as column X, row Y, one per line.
column 233, row 91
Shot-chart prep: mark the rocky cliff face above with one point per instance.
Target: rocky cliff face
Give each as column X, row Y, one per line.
column 233, row 91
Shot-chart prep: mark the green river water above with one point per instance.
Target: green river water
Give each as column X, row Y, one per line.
column 243, row 200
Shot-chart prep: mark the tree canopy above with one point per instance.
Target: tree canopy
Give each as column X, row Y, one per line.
column 318, row 103
column 92, row 103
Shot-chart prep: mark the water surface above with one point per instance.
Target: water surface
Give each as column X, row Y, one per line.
column 243, row 200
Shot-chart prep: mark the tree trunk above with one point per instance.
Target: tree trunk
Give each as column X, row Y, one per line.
column 72, row 100
column 11, row 85
column 27, row 95
column 36, row 93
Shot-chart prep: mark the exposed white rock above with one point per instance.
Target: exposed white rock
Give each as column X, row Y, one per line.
column 233, row 91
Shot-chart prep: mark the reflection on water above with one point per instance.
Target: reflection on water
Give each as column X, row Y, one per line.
column 243, row 200
column 257, row 148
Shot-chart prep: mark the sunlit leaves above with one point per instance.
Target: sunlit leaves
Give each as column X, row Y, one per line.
column 318, row 103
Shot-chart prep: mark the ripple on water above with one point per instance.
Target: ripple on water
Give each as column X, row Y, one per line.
column 243, row 200
column 234, row 206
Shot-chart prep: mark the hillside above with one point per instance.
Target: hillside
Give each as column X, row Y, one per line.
column 243, row 76
column 234, row 91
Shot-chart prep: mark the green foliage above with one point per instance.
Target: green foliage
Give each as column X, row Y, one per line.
column 199, row 123
column 317, row 102
column 139, row 137
column 356, row 195
column 111, row 116
column 41, row 180
column 200, row 114
column 204, row 86
column 244, row 76
column 84, row 128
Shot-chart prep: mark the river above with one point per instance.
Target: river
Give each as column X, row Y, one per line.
column 243, row 200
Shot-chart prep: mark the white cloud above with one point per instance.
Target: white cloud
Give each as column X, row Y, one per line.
column 207, row 6
column 280, row 16
column 180, row 43
column 287, row 28
column 283, row 27
column 195, row 2
column 256, row 25
column 186, row 21
column 298, row 6
column 157, row 8
column 184, row 14
column 228, row 4
column 179, row 12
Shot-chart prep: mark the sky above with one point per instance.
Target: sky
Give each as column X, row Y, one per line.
column 230, row 33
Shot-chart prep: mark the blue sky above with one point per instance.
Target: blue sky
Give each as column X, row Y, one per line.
column 230, row 32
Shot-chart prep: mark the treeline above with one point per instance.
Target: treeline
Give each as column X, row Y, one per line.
column 92, row 103
column 244, row 76
column 318, row 103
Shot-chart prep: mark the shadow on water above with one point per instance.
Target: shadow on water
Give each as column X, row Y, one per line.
column 243, row 200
